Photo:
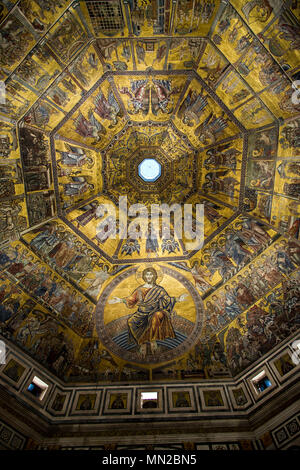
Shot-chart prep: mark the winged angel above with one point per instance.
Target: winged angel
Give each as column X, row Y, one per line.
column 108, row 108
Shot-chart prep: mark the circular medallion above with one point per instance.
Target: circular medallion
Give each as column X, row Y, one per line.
column 149, row 316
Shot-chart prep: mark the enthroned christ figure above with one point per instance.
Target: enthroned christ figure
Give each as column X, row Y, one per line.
column 152, row 319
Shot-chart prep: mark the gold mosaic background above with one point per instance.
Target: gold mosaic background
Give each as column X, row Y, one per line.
column 209, row 89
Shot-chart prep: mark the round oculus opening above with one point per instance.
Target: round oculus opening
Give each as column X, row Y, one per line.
column 149, row 170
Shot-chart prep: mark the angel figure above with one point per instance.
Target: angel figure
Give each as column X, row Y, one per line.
column 96, row 283
column 139, row 96
column 210, row 128
column 160, row 96
column 90, row 127
column 108, row 108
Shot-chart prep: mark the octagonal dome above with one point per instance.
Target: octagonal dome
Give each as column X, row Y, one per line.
column 204, row 89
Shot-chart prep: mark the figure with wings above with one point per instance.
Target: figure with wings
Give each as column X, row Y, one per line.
column 90, row 127
column 95, row 284
column 192, row 107
column 108, row 108
column 130, row 246
column 170, row 245
column 210, row 128
column 35, row 325
column 139, row 96
column 160, row 97
column 75, row 156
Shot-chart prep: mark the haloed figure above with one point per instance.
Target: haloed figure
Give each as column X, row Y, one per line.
column 152, row 320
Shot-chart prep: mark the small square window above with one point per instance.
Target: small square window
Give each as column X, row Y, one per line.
column 38, row 388
column 149, row 400
column 261, row 382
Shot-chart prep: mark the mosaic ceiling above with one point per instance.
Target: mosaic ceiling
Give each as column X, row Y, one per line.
column 90, row 90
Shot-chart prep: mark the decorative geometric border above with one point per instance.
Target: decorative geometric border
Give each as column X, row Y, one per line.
column 287, row 431
column 142, row 124
column 10, row 438
column 195, row 386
